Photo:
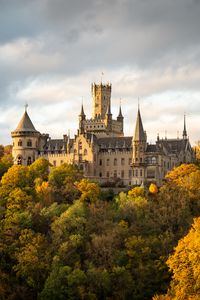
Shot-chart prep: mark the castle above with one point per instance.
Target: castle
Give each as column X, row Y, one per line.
column 100, row 148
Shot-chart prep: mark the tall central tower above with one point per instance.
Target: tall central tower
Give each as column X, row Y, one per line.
column 101, row 95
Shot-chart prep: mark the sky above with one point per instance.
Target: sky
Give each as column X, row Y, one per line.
column 52, row 50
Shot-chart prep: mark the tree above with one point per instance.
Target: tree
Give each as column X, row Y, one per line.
column 185, row 265
column 90, row 191
column 39, row 169
column 62, row 181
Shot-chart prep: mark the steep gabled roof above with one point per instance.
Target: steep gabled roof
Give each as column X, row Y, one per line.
column 139, row 131
column 25, row 124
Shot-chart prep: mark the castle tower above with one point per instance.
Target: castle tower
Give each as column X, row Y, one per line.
column 139, row 144
column 120, row 118
column 101, row 97
column 25, row 141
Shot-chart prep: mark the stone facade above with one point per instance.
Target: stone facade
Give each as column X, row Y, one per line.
column 100, row 148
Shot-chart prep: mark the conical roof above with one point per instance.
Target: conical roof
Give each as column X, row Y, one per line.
column 25, row 124
column 139, row 131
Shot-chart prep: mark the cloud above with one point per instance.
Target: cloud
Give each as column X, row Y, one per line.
column 50, row 52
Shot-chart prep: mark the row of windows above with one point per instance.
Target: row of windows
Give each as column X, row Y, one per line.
column 19, row 160
column 29, row 143
column 85, row 152
column 115, row 161
column 115, row 174
column 94, row 126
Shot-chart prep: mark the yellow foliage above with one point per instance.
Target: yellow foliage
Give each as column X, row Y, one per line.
column 177, row 174
column 153, row 188
column 89, row 190
column 42, row 188
column 136, row 192
column 185, row 265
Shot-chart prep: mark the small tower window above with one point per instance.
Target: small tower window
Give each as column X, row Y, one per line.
column 29, row 161
column 115, row 162
column 100, row 162
column 122, row 161
column 29, row 143
column 108, row 162
column 20, row 143
column 122, row 174
column 140, row 172
column 19, row 160
column 107, row 174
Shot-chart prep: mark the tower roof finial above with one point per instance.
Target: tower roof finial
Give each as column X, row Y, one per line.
column 26, row 107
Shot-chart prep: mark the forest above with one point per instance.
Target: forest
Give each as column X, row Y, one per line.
column 63, row 237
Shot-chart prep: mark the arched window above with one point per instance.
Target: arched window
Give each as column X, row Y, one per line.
column 29, row 161
column 20, row 143
column 19, row 160
column 29, row 143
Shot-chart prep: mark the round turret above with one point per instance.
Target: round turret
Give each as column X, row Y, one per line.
column 25, row 142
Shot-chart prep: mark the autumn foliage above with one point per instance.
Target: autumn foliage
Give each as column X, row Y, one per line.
column 61, row 237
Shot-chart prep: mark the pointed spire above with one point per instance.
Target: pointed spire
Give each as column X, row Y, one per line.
column 184, row 128
column 82, row 111
column 120, row 111
column 139, row 131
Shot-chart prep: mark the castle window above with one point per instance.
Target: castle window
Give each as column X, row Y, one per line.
column 29, row 161
column 122, row 161
column 107, row 174
column 136, row 173
column 100, row 174
column 140, row 172
column 85, row 151
column 141, row 148
column 54, row 163
column 130, row 160
column 29, row 143
column 129, row 173
column 100, row 162
column 20, row 143
column 75, row 151
column 107, row 162
column 80, row 145
column 140, row 159
column 153, row 160
column 122, row 174
column 115, row 174
column 80, row 157
column 115, row 161
column 61, row 162
column 19, row 160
